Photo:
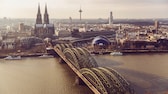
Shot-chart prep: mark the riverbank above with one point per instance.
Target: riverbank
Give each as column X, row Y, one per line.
column 23, row 54
column 130, row 51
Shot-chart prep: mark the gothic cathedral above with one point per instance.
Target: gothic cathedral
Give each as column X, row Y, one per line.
column 45, row 29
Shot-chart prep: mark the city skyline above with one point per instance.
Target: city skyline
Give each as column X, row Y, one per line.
column 91, row 8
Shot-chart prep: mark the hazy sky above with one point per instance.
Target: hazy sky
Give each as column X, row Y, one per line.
column 91, row 8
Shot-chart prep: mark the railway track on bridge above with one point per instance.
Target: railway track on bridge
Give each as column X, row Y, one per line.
column 101, row 80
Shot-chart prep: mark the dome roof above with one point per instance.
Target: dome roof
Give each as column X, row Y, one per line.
column 100, row 40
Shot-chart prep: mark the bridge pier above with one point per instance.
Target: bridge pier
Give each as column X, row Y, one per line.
column 79, row 81
column 60, row 60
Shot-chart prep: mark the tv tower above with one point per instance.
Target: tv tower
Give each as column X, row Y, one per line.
column 80, row 11
column 111, row 18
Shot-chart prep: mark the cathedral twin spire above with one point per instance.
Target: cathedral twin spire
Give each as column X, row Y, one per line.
column 39, row 18
column 46, row 18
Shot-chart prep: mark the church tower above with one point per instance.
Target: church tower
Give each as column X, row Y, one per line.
column 46, row 18
column 45, row 29
column 39, row 18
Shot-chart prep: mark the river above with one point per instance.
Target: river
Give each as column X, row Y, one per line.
column 38, row 76
column 147, row 73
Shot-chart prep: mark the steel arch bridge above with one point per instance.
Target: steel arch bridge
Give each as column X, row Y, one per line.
column 101, row 80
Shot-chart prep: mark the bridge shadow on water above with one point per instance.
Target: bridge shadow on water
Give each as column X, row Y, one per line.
column 104, row 62
column 144, row 83
column 141, row 82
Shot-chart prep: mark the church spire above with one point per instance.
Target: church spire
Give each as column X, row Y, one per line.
column 46, row 18
column 39, row 8
column 38, row 19
column 46, row 8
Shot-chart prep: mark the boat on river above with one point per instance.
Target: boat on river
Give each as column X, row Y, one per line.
column 116, row 53
column 12, row 58
column 46, row 56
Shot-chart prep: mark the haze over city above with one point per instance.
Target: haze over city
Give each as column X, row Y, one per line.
column 91, row 8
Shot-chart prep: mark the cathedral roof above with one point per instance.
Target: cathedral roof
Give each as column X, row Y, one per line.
column 38, row 25
column 44, row 25
column 48, row 25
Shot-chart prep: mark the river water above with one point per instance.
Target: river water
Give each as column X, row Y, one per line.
column 147, row 73
column 38, row 76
